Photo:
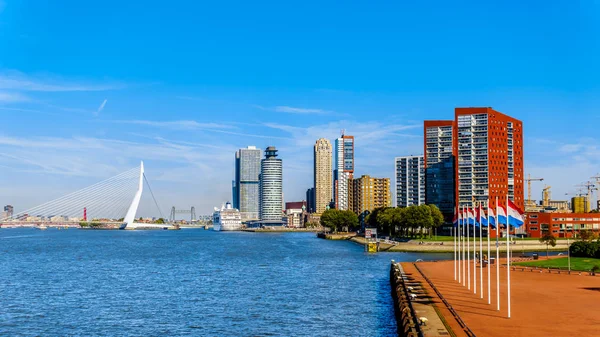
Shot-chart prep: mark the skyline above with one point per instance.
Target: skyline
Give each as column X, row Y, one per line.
column 184, row 87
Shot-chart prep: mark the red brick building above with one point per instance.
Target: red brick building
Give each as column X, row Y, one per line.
column 563, row 225
column 489, row 157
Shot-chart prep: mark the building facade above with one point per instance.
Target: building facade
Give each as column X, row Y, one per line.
column 323, row 174
column 439, row 165
column 246, row 186
column 343, row 170
column 489, row 157
column 367, row 193
column 271, row 186
column 8, row 211
column 310, row 200
column 410, row 181
column 295, row 213
column 562, row 225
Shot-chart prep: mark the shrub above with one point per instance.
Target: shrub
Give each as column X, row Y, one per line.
column 596, row 268
column 578, row 249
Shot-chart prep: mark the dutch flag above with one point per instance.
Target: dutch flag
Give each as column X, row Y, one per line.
column 515, row 214
column 491, row 217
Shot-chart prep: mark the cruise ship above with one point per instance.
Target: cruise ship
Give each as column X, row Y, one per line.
column 227, row 218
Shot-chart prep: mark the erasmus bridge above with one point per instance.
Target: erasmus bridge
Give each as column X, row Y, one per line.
column 110, row 203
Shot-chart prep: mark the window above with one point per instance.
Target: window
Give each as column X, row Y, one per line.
column 533, row 216
column 533, row 228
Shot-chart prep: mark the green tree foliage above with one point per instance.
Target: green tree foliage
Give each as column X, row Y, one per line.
column 585, row 249
column 587, row 235
column 549, row 240
column 160, row 221
column 336, row 219
column 408, row 221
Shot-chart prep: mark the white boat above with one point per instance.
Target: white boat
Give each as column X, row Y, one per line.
column 227, row 218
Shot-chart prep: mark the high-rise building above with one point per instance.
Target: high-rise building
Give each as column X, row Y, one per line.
column 323, row 175
column 410, row 181
column 367, row 193
column 489, row 152
column 440, row 172
column 271, row 186
column 343, row 170
column 247, row 171
column 310, row 200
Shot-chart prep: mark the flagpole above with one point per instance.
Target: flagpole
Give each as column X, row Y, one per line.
column 459, row 234
column 488, row 253
column 468, row 251
column 474, row 256
column 497, row 257
column 464, row 270
column 480, row 252
column 454, row 236
column 508, row 253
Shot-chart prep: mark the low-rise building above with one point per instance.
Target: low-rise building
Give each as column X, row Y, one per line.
column 563, row 225
column 295, row 213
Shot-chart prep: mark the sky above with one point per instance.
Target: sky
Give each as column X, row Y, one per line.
column 88, row 89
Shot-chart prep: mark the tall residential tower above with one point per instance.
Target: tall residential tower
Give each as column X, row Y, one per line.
column 245, row 187
column 322, row 175
column 439, row 165
column 410, row 181
column 489, row 151
column 343, row 170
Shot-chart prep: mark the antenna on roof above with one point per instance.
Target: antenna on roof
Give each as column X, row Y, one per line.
column 343, row 132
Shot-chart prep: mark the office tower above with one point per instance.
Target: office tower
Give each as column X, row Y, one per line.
column 410, row 181
column 310, row 200
column 439, row 162
column 367, row 193
column 323, row 175
column 271, row 187
column 247, row 170
column 343, row 170
column 489, row 151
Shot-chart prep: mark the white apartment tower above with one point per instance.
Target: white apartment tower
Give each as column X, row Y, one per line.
column 410, row 181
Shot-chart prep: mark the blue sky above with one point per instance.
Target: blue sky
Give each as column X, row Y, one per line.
column 90, row 88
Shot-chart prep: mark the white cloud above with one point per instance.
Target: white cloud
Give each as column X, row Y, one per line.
column 16, row 80
column 12, row 97
column 101, row 107
column 293, row 110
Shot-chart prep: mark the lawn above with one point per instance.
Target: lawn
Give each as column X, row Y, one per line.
column 577, row 263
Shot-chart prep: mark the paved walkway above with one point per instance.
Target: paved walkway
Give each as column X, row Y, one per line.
column 543, row 304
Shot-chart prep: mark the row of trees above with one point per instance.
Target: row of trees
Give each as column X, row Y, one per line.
column 338, row 220
column 406, row 221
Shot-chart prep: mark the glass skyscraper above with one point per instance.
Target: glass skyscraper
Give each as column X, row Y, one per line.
column 246, row 187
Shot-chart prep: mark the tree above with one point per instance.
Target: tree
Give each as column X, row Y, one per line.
column 160, row 221
column 336, row 219
column 437, row 216
column 384, row 220
column 587, row 235
column 549, row 240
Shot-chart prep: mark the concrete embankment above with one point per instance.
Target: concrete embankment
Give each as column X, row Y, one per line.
column 280, row 230
column 336, row 236
column 415, row 313
column 448, row 246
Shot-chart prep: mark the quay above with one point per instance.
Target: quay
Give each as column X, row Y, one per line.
column 413, row 246
column 544, row 302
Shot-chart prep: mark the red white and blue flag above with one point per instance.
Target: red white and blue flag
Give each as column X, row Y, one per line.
column 515, row 214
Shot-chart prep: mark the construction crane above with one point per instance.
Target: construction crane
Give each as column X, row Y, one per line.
column 546, row 196
column 529, row 180
column 597, row 177
column 590, row 186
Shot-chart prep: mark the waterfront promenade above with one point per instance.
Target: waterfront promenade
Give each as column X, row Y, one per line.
column 543, row 304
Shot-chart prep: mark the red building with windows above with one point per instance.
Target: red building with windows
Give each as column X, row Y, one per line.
column 562, row 225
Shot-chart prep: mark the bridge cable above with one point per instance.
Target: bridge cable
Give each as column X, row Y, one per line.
column 155, row 202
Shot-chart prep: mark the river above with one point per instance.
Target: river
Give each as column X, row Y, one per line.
column 192, row 282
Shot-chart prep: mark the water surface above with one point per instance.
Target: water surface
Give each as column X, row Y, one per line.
column 192, row 283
